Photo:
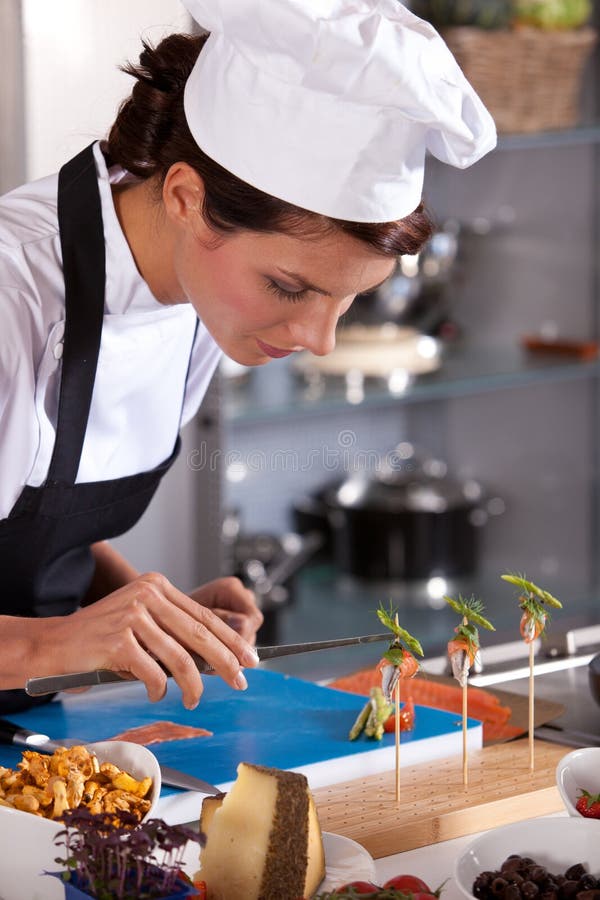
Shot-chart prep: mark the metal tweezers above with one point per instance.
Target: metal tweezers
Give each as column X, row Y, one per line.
column 51, row 683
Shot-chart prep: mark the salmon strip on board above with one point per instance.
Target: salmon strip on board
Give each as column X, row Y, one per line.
column 483, row 705
column 157, row 732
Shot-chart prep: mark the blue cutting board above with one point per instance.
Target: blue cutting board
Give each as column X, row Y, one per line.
column 279, row 721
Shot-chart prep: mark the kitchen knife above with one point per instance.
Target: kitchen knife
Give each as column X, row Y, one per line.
column 11, row 733
column 51, row 683
column 566, row 736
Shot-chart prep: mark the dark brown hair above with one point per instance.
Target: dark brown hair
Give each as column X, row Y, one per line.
column 150, row 134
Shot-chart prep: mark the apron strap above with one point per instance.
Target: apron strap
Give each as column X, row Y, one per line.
column 84, row 269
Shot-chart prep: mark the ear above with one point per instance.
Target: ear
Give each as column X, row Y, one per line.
column 183, row 196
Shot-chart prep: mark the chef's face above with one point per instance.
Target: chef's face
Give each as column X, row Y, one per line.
column 263, row 296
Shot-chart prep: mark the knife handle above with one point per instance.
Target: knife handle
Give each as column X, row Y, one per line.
column 7, row 731
column 11, row 733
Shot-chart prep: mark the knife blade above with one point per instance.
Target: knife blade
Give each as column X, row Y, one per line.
column 567, row 736
column 11, row 733
column 50, row 684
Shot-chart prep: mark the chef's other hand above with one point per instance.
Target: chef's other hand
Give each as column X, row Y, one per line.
column 233, row 603
column 147, row 620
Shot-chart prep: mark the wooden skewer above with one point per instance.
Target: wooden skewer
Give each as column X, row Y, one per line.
column 464, row 727
column 531, row 706
column 464, row 736
column 397, row 731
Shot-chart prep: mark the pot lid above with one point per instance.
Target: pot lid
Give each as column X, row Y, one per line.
column 405, row 481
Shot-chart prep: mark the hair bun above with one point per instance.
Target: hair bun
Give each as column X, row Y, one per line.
column 154, row 111
column 166, row 67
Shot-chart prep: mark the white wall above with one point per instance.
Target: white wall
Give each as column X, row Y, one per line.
column 12, row 168
column 73, row 87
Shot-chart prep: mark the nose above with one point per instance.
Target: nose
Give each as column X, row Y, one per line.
column 314, row 330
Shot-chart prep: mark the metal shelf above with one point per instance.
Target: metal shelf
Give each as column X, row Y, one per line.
column 276, row 393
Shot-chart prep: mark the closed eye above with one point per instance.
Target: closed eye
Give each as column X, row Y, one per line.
column 284, row 294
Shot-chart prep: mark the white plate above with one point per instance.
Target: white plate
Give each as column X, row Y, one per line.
column 345, row 860
column 554, row 842
column 415, row 356
column 577, row 770
column 27, row 842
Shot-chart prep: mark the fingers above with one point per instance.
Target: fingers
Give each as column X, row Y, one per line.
column 206, row 625
column 238, row 622
column 179, row 625
column 173, row 657
column 149, row 624
column 229, row 594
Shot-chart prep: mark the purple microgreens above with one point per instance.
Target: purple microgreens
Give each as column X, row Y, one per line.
column 113, row 857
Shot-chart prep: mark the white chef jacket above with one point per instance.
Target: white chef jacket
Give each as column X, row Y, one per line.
column 141, row 396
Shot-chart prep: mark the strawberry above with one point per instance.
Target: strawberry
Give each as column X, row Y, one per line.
column 588, row 805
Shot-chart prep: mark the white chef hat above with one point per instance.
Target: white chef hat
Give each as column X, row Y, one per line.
column 331, row 104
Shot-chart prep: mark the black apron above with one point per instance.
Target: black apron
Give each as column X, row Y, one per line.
column 45, row 557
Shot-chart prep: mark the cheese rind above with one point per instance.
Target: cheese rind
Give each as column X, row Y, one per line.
column 263, row 838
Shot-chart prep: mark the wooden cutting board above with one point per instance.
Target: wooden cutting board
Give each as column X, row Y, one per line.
column 434, row 804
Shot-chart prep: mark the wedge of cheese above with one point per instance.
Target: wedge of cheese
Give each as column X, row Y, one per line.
column 263, row 838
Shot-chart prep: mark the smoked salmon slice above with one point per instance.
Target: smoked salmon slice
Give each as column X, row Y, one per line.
column 157, row 732
column 483, row 705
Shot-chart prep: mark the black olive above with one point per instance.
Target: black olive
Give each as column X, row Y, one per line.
column 512, row 892
column 481, row 885
column 498, row 886
column 538, row 874
column 511, row 864
column 568, row 889
column 587, row 883
column 574, row 873
column 529, row 890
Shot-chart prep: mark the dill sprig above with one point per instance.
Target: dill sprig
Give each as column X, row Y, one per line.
column 534, row 595
column 387, row 617
column 471, row 609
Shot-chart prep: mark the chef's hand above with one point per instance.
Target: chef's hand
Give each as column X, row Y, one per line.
column 129, row 630
column 233, row 603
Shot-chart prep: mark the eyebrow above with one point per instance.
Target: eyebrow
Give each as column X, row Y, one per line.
column 308, row 286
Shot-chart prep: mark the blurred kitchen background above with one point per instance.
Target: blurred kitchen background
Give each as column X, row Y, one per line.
column 443, row 443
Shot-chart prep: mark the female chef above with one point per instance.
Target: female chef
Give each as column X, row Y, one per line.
column 251, row 187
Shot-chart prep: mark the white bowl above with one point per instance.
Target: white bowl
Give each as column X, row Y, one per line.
column 27, row 841
column 578, row 770
column 555, row 842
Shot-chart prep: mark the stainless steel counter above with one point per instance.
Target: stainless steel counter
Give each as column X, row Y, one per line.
column 561, row 675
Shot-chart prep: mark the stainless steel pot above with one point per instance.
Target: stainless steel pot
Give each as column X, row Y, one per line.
column 408, row 520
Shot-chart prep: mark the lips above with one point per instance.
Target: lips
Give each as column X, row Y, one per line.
column 273, row 352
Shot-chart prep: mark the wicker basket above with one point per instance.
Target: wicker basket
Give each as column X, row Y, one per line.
column 529, row 79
